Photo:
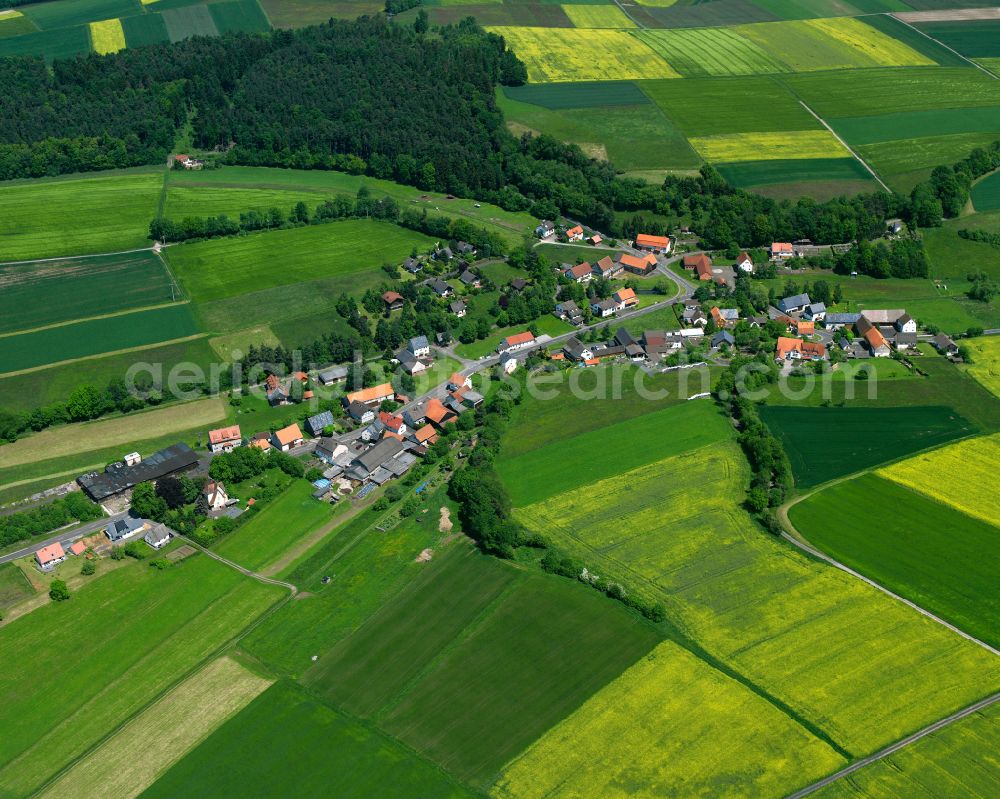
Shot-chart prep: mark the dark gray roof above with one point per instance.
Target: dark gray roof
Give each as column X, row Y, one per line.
column 333, row 373
column 358, row 410
column 418, row 343
column 574, row 348
column 842, row 318
column 379, row 454
column 122, row 528
column 795, row 301
column 943, row 341
column 319, row 421
column 439, row 286
column 457, row 306
column 723, row 337
column 624, row 338
column 118, row 477
column 468, row 277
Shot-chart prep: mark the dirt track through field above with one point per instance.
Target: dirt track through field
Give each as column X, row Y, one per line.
column 948, row 15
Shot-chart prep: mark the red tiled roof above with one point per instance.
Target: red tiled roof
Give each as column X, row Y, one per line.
column 646, row 240
column 520, row 338
column 580, row 270
column 288, row 435
column 373, row 394
column 51, row 552
column 224, row 434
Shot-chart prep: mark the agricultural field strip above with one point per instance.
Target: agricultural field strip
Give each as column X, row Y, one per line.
column 844, row 144
column 133, row 757
column 901, row 744
column 64, row 323
column 88, row 255
column 980, row 67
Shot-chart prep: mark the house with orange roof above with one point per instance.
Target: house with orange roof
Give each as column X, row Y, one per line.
column 516, row 342
column 635, row 264
column 607, row 268
column 581, row 273
column 804, row 328
column 574, row 233
column 49, row 557
column 261, row 441
column 458, row 380
column 225, row 439
column 644, row 241
column 795, row 349
column 371, row 396
column 425, row 436
column 437, row 414
column 625, row 298
column 393, row 300
column 782, row 251
column 701, row 264
column 595, row 239
column 392, row 422
column 876, row 343
column 287, row 438
column 744, row 262
column 78, row 548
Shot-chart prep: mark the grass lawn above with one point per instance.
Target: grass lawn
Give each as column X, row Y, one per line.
column 49, row 292
column 351, row 250
column 79, row 214
column 276, row 528
column 464, row 637
column 545, row 325
column 826, row 443
column 251, row 754
column 13, row 585
column 569, row 463
column 367, row 567
column 121, row 431
column 985, row 366
column 128, row 635
column 134, row 757
column 918, row 547
column 95, row 336
column 783, row 622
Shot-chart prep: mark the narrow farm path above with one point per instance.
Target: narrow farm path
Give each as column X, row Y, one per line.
column 846, row 146
column 307, row 542
column 241, row 569
column 74, row 257
column 980, row 67
column 889, row 750
column 68, row 322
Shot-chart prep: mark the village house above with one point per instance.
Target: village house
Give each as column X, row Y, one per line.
column 595, row 239
column 419, row 346
column 603, row 308
column 393, row 300
column 607, row 268
column 124, row 529
column 425, row 436
column 744, row 263
column 782, row 251
column 287, row 438
column 359, row 411
column 412, row 265
column 77, row 548
column 225, row 439
column 581, row 273
column 657, row 244
column 545, row 229
column 576, row 350
column 794, row 304
column 392, row 422
column 793, row 349
column 158, row 537
column 443, row 254
column 275, row 391
column 333, row 375
column 570, row 311
column 50, row 556
column 437, row 414
column 518, row 284
column 465, row 249
column 411, row 363
column 370, row 396
column 700, row 264
column 877, row 346
column 725, row 317
column 261, row 441
column 508, row 364
column 815, row 312
column 625, row 298
column 318, row 422
column 516, row 342
column 458, row 307
column 442, row 289
column 470, row 279
column 723, row 337
column 636, row 265
column 574, row 233
column 458, row 380
column 188, row 162
column 804, row 328
column 216, row 496
column 836, row 321
column 897, row 317
column 693, row 314
column 945, row 345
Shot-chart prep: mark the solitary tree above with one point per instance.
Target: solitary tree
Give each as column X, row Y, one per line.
column 58, row 591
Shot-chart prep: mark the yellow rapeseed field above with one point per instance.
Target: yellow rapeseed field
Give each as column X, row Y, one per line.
column 555, row 55
column 107, row 36
column 841, row 654
column 131, row 760
column 583, row 16
column 671, row 725
column 769, row 146
column 866, row 40
column 963, row 475
column 985, row 366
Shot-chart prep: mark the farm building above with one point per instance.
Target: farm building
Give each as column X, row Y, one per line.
column 945, row 344
column 701, row 264
column 49, row 557
column 371, row 396
column 660, row 244
column 317, row 423
column 835, row 321
column 437, row 414
column 796, row 303
column 607, row 268
column 225, row 439
column 636, row 265
column 287, row 438
column 332, row 375
column 118, row 478
column 124, row 529
column 516, row 342
column 625, row 298
column 794, row 349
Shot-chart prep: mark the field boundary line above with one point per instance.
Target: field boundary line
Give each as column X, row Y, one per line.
column 982, row 704
column 68, row 322
column 241, row 569
column 938, row 42
column 638, row 24
column 73, row 257
column 846, row 146
column 105, row 355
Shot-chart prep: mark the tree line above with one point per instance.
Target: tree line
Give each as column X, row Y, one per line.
column 24, row 525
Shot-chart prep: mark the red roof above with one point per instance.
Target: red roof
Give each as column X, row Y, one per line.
column 390, row 420
column 435, row 411
column 50, row 553
column 288, row 435
column 520, row 338
column 373, row 394
column 426, row 435
column 645, row 240
column 392, row 296
column 78, row 548
column 224, row 434
column 576, row 230
column 580, row 270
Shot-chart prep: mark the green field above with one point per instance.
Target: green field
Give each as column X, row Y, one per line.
column 187, row 21
column 13, row 585
column 546, row 325
column 557, row 96
column 64, row 13
column 145, row 29
column 986, row 193
column 286, row 743
column 974, row 38
column 766, row 173
column 921, row 549
column 239, row 16
column 14, row 23
column 612, row 449
column 276, row 528
column 598, row 16
column 700, row 15
column 351, row 250
column 49, row 292
column 77, row 215
column 59, row 43
column 782, row 622
column 951, row 256
column 826, row 443
column 95, row 336
column 960, row 760
column 297, row 13
column 701, row 52
column 460, row 640
column 128, row 635
column 917, row 124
